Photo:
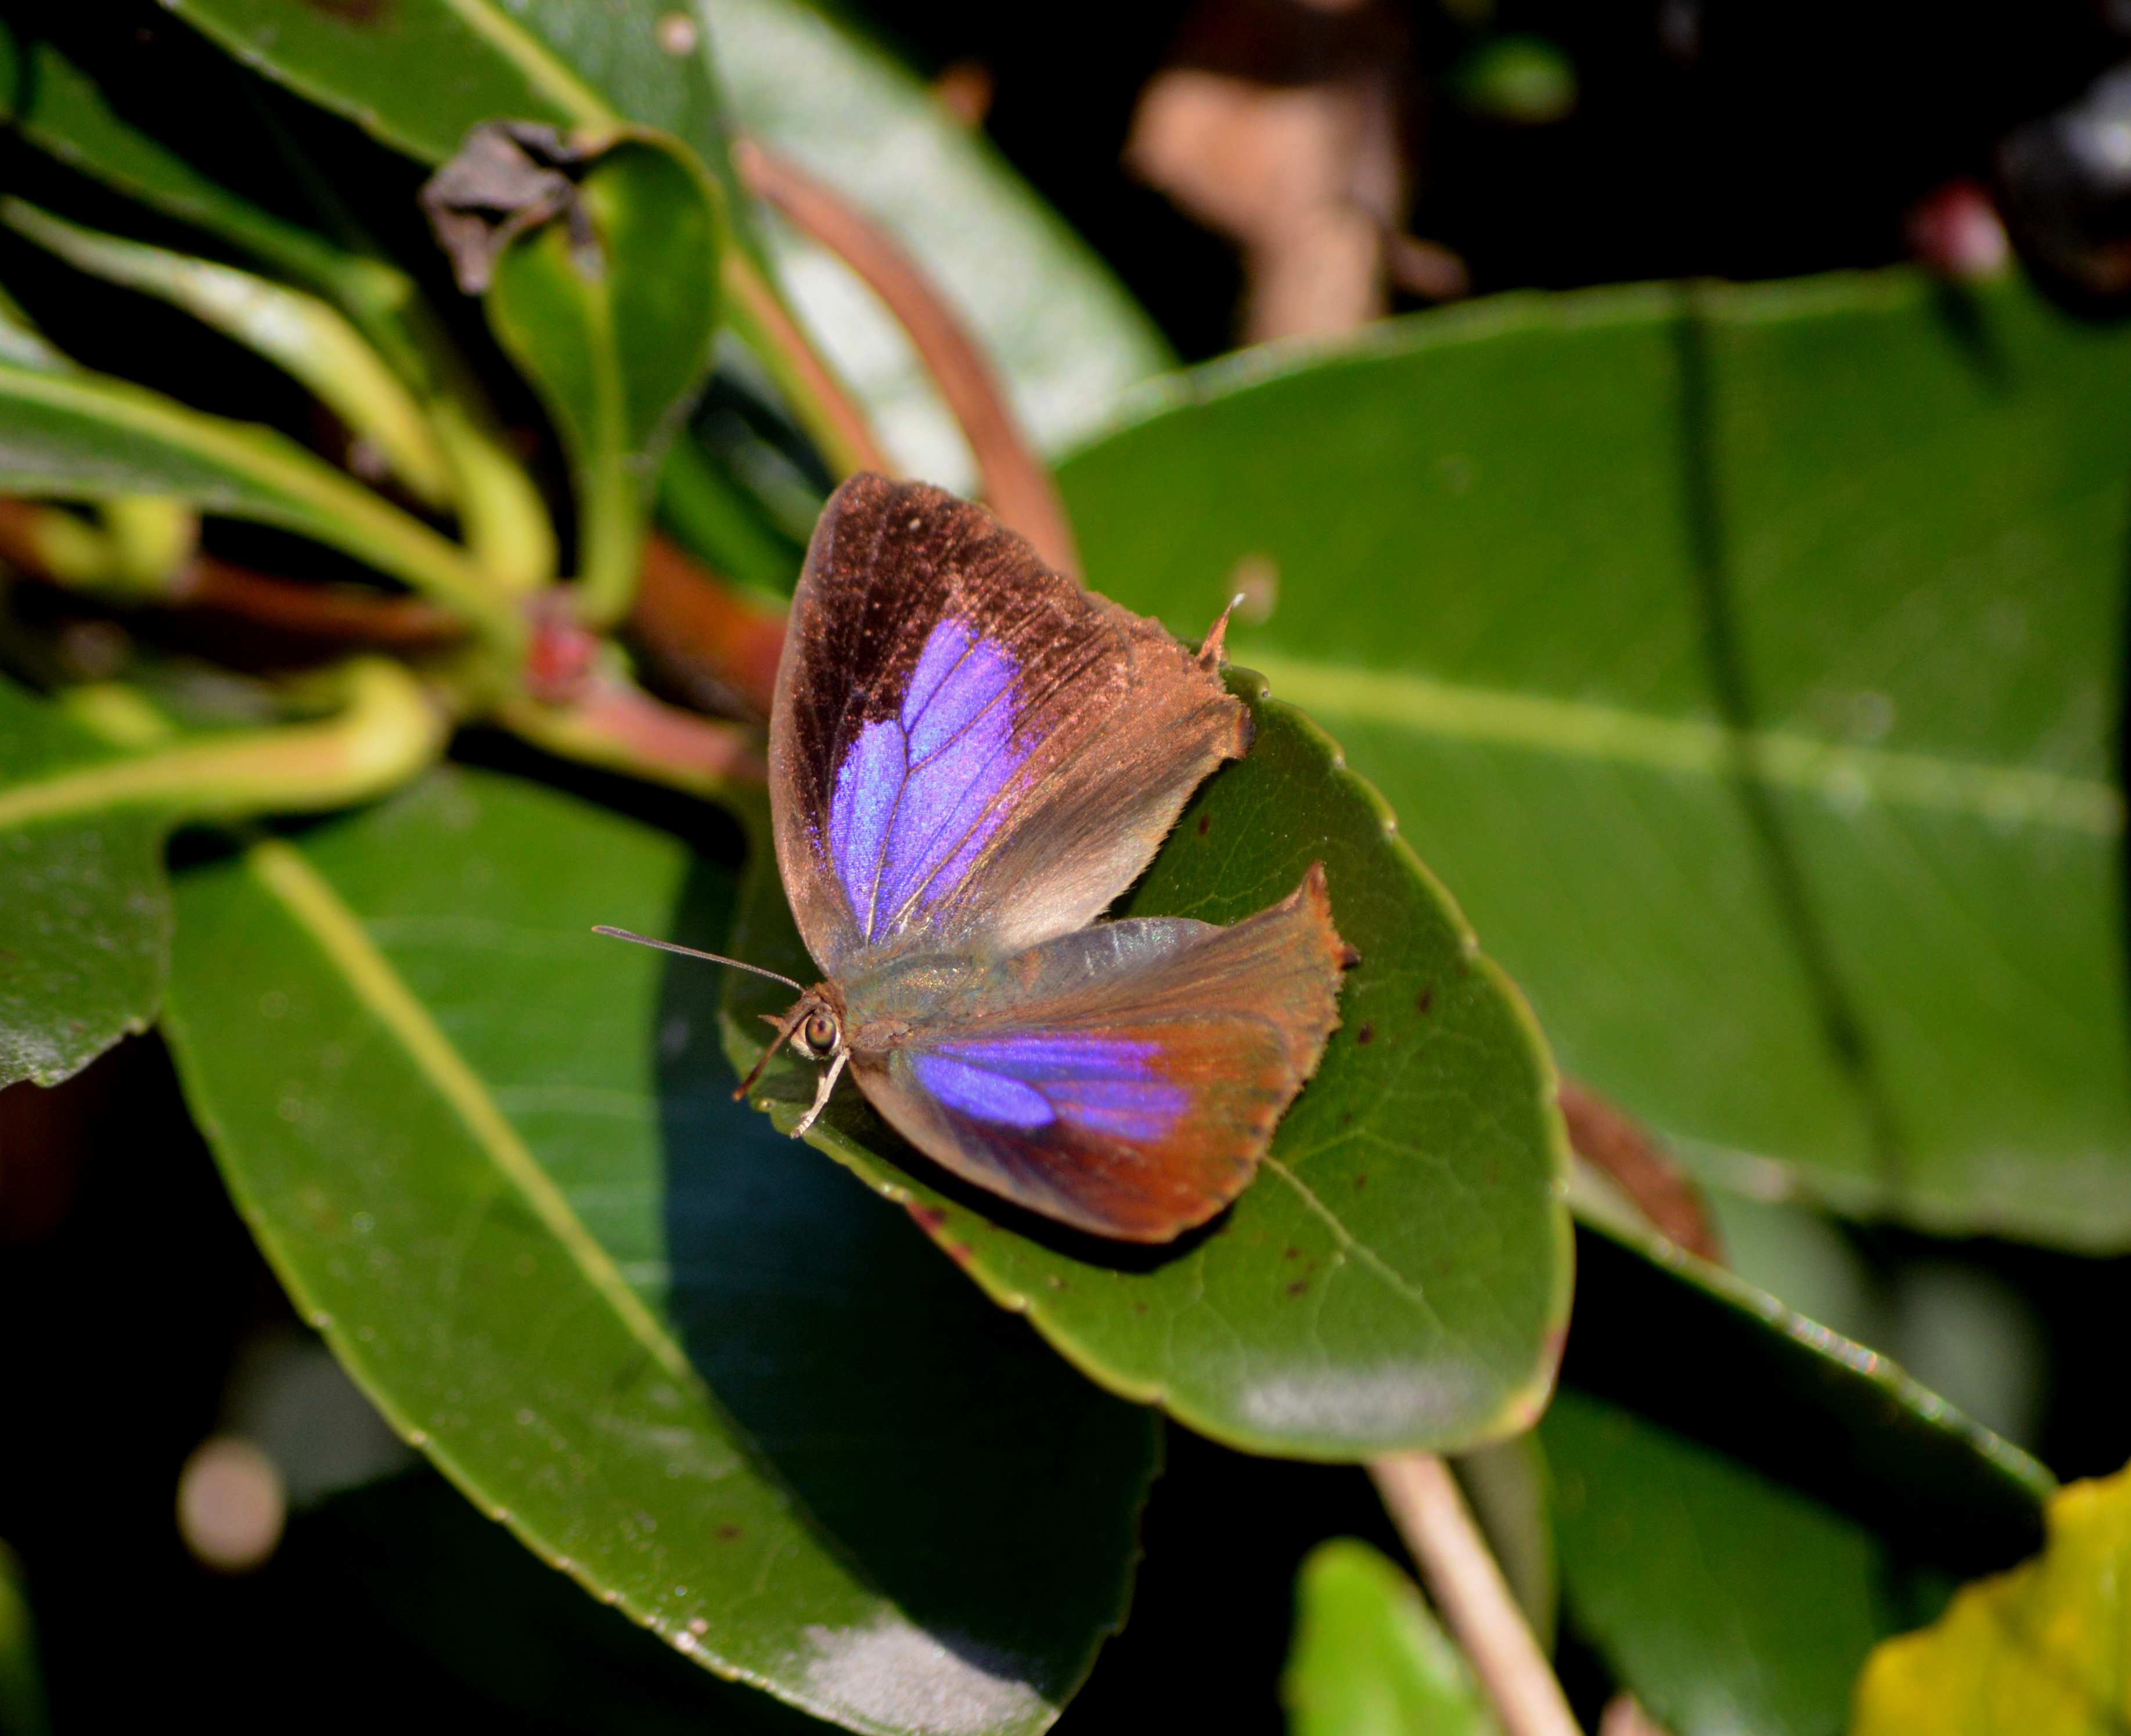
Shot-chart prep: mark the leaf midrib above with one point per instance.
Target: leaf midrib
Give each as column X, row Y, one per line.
column 544, row 70
column 317, row 909
column 1844, row 775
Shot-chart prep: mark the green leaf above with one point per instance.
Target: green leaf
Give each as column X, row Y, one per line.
column 1742, row 1372
column 420, row 75
column 1368, row 1659
column 298, row 333
column 84, row 911
column 505, row 524
column 524, row 1638
column 2041, row 1651
column 83, row 436
column 21, row 1683
column 61, row 111
column 1064, row 333
column 1724, row 1600
column 496, row 1159
column 618, row 346
column 1747, row 662
column 1398, row 1273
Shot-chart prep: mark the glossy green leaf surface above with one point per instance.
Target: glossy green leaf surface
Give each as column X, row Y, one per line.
column 1722, row 1600
column 495, row 1159
column 2041, row 1651
column 1397, row 1275
column 1064, row 334
column 1368, row 1659
column 1696, row 1349
column 84, row 909
column 617, row 345
column 1746, row 660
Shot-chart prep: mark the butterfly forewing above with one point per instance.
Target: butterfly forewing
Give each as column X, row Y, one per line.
column 967, row 749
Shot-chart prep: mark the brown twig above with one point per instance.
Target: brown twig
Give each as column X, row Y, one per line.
column 1609, row 1138
column 1424, row 1501
column 1016, row 483
column 338, row 614
column 713, row 646
column 316, row 611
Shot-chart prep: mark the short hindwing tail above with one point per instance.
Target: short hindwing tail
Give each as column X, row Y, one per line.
column 1126, row 1078
column 966, row 745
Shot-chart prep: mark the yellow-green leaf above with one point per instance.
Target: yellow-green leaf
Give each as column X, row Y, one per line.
column 2042, row 1650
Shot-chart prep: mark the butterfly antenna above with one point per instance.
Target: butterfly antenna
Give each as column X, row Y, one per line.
column 690, row 952
column 1210, row 652
column 785, row 1027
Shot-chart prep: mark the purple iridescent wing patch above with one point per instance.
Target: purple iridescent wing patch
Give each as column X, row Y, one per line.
column 1107, row 1085
column 917, row 794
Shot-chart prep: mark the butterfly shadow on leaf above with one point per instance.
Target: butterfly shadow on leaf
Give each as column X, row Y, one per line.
column 960, row 1468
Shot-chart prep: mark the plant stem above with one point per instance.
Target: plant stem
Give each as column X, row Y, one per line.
column 1424, row 1501
column 338, row 614
column 620, row 728
column 822, row 403
column 1607, row 1137
column 1016, row 481
column 389, row 731
column 708, row 642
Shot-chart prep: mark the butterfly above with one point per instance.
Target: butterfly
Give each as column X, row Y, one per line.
column 970, row 758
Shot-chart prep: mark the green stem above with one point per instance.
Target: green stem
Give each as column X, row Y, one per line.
column 297, row 491
column 824, row 405
column 388, row 731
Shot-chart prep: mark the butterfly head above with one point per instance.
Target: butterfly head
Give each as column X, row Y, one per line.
column 814, row 1026
column 819, row 1033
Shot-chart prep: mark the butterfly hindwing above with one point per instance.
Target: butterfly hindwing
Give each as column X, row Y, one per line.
column 967, row 749
column 1126, row 1077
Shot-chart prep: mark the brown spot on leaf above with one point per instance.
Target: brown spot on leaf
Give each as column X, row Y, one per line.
column 1290, row 1254
column 1139, row 1308
column 1205, row 822
column 1361, row 1180
column 929, row 1218
column 959, row 1252
column 1366, row 1035
column 1298, row 1286
column 728, row 1533
column 1424, row 1002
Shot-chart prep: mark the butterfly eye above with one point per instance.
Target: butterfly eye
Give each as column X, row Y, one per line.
column 819, row 1033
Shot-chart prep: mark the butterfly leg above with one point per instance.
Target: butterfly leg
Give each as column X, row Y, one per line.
column 821, row 1092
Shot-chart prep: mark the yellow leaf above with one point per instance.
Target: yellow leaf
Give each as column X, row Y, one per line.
column 2044, row 1650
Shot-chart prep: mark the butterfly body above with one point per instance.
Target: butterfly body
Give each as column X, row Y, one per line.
column 970, row 759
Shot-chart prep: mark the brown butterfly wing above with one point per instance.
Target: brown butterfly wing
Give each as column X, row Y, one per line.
column 1125, row 1078
column 968, row 750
